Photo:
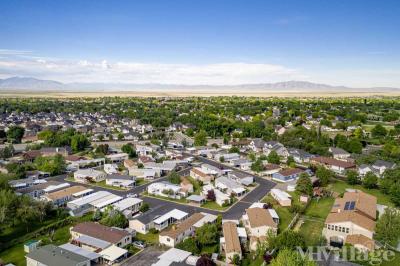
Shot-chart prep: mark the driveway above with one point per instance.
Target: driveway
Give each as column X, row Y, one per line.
column 145, row 258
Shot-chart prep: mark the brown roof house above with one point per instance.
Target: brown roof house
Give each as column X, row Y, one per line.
column 335, row 165
column 352, row 220
column 96, row 237
column 258, row 221
column 177, row 233
column 198, row 174
column 230, row 243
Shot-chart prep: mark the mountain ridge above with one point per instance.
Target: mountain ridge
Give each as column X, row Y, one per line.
column 29, row 83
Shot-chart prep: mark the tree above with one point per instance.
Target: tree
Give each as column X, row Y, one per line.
column 128, row 148
column 370, row 180
column 190, row 245
column 324, row 175
column 290, row 161
column 388, row 227
column 257, row 166
column 287, row 257
column 200, row 139
column 304, row 184
column 378, row 131
column 273, row 157
column 144, row 208
column 55, row 165
column 395, row 193
column 79, row 142
column 114, row 218
column 15, row 134
column 207, row 234
column 234, row 150
column 236, row 259
column 174, row 178
column 352, row 177
column 7, row 152
column 222, row 159
column 102, row 149
column 205, row 261
column 287, row 239
column 211, row 195
column 354, row 146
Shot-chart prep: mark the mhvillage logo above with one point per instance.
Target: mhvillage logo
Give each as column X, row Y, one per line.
column 346, row 253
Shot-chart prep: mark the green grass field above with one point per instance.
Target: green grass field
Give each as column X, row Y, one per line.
column 319, row 208
column 311, row 231
column 149, row 238
column 285, row 216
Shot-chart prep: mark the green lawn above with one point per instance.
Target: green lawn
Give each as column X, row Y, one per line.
column 395, row 261
column 319, row 208
column 104, row 185
column 311, row 231
column 149, row 238
column 16, row 254
column 210, row 249
column 212, row 205
column 340, row 187
column 165, row 198
column 285, row 216
column 141, row 181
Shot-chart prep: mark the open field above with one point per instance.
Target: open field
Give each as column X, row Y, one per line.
column 186, row 93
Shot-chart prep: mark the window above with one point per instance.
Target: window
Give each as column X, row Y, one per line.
column 336, row 227
column 347, row 230
column 329, row 226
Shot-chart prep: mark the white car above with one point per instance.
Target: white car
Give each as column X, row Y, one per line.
column 131, row 195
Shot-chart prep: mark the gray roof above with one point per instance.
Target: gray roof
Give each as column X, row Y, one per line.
column 53, row 255
column 382, row 163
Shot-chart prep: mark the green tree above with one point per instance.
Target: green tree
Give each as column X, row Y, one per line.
column 273, row 157
column 15, row 134
column 79, row 142
column 290, row 161
column 200, row 139
column 128, row 148
column 112, row 217
column 190, row 245
column 236, row 259
column 288, row 239
column 388, row 227
column 174, row 178
column 234, row 150
column 207, row 234
column 257, row 166
column 287, row 257
column 304, row 184
column 378, row 131
column 324, row 175
column 370, row 180
column 55, row 165
column 354, row 146
column 352, row 177
column 145, row 207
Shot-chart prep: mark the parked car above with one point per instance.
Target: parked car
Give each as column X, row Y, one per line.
column 139, row 244
column 131, row 195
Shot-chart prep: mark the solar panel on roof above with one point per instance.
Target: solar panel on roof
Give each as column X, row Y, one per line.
column 346, row 205
column 352, row 205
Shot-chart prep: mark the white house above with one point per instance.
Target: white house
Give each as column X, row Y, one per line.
column 123, row 181
column 111, row 168
column 164, row 189
column 89, row 175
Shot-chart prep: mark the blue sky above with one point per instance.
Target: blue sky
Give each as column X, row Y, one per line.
column 349, row 42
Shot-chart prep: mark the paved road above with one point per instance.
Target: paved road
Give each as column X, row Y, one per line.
column 159, row 206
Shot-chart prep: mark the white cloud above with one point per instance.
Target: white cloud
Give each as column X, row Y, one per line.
column 133, row 72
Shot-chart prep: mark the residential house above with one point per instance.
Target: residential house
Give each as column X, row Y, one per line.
column 257, row 145
column 113, row 235
column 165, row 189
column 278, row 147
column 169, row 218
column 220, row 198
column 95, row 201
column 175, row 257
column 198, row 174
column 144, row 173
column 339, row 154
column 36, row 191
column 270, row 169
column 117, row 158
column 186, row 186
column 287, row 175
column 258, row 222
column 300, row 156
column 241, row 178
column 229, row 187
column 128, row 206
column 89, row 175
column 283, row 198
column 53, row 255
column 61, row 197
column 378, row 168
column 337, row 166
column 352, row 220
column 123, row 181
column 111, row 168
column 230, row 243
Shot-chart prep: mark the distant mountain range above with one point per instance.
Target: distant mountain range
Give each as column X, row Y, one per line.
column 32, row 84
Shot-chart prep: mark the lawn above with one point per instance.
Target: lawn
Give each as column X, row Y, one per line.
column 212, row 205
column 149, row 238
column 285, row 216
column 319, row 208
column 141, row 182
column 311, row 231
column 16, row 254
column 104, row 185
column 184, row 201
column 340, row 187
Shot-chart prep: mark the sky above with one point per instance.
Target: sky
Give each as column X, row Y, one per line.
column 339, row 42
